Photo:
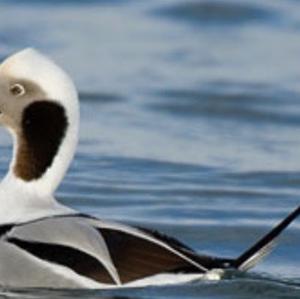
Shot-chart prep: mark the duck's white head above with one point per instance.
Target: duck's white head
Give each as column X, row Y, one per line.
column 39, row 106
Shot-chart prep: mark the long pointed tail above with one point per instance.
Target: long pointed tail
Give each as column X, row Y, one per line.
column 264, row 246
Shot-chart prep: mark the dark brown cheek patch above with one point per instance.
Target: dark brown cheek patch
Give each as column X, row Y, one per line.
column 44, row 125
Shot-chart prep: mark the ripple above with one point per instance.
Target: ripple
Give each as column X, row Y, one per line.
column 217, row 12
column 236, row 285
column 268, row 106
column 103, row 98
column 274, row 179
column 150, row 191
column 66, row 2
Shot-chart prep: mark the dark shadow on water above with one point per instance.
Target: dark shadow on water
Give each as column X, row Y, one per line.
column 274, row 179
column 133, row 164
column 215, row 13
column 66, row 2
column 245, row 104
column 103, row 98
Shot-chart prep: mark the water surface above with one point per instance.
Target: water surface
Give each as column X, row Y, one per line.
column 190, row 124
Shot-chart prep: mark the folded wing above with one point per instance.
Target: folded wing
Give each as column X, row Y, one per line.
column 107, row 253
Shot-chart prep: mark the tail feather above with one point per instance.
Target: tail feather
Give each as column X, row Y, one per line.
column 264, row 246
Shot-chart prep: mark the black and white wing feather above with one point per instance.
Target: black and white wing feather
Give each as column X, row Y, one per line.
column 81, row 251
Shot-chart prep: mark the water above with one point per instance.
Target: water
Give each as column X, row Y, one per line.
column 190, row 124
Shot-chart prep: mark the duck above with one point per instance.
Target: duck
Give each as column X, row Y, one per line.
column 45, row 244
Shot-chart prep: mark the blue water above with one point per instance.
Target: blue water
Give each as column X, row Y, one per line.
column 190, row 124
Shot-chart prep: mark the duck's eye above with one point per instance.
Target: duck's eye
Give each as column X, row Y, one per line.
column 17, row 90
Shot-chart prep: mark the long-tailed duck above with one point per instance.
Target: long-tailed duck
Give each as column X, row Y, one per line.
column 46, row 244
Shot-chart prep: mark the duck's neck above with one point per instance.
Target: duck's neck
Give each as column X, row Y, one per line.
column 43, row 150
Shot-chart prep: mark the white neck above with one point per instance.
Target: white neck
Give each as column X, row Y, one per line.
column 25, row 200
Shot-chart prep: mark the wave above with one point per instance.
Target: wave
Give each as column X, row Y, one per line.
column 217, row 12
column 97, row 97
column 260, row 105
